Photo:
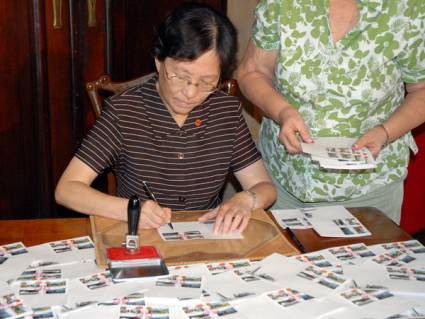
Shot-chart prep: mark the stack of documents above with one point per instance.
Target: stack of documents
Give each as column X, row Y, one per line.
column 337, row 153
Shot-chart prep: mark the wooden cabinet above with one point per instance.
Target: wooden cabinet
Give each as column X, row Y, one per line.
column 24, row 128
column 49, row 50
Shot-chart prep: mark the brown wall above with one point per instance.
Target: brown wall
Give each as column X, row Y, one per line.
column 241, row 13
column 44, row 110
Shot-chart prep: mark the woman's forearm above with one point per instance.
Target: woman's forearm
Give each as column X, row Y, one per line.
column 410, row 114
column 265, row 195
column 85, row 199
column 74, row 191
column 255, row 78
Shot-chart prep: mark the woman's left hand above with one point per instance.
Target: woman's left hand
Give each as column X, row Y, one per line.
column 374, row 140
column 232, row 215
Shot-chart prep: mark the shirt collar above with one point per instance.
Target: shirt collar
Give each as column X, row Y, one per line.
column 195, row 123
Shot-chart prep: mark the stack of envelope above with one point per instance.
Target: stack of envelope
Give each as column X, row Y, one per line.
column 337, row 153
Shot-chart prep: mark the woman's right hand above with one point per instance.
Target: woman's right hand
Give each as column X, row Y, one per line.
column 292, row 125
column 153, row 216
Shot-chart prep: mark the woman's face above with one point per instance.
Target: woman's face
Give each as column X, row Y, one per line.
column 183, row 85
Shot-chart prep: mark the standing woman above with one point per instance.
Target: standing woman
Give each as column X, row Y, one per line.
column 177, row 132
column 337, row 68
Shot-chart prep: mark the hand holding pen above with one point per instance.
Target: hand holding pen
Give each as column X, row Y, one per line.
column 152, row 197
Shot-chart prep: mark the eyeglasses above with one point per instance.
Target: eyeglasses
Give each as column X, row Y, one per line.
column 184, row 81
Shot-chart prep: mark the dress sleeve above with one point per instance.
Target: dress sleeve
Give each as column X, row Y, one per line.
column 101, row 147
column 245, row 151
column 412, row 60
column 265, row 32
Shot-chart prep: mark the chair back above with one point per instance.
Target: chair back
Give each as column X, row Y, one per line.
column 105, row 84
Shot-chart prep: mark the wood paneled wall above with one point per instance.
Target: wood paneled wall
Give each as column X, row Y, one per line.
column 44, row 111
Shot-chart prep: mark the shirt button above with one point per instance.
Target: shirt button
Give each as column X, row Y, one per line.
column 180, row 155
column 182, row 199
column 180, row 133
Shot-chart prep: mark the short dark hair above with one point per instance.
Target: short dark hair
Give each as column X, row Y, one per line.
column 192, row 29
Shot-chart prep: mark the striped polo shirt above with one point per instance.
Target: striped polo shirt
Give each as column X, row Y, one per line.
column 185, row 167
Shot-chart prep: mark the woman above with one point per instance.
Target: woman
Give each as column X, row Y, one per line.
column 177, row 133
column 337, row 68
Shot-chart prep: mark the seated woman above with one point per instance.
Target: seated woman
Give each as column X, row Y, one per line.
column 177, row 132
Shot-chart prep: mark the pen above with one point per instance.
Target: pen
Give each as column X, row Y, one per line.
column 295, row 240
column 252, row 272
column 152, row 196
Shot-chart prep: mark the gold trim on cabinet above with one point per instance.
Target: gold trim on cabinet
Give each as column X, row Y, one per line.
column 57, row 14
column 91, row 9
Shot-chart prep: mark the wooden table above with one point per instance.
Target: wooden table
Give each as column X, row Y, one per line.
column 37, row 231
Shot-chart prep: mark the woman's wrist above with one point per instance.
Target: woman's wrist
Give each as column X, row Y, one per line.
column 253, row 197
column 387, row 134
column 284, row 113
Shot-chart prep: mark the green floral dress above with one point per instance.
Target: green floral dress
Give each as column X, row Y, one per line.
column 341, row 89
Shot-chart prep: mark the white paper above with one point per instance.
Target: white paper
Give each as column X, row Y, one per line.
column 321, row 259
column 291, row 306
column 355, row 253
column 353, row 281
column 12, row 249
column 69, row 271
column 98, row 287
column 288, row 272
column 413, row 312
column 292, row 218
column 62, row 252
column 193, row 231
column 263, row 307
column 327, row 221
column 136, row 311
column 42, row 292
column 379, row 303
column 136, row 298
column 196, row 270
column 336, row 221
column 369, row 275
column 302, row 305
column 94, row 312
column 220, row 267
column 14, row 258
column 409, row 253
column 212, row 310
column 337, row 153
column 176, row 286
column 127, row 311
column 232, row 286
column 12, row 306
column 45, row 312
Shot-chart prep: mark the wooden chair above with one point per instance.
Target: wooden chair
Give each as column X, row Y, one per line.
column 96, row 92
column 105, row 84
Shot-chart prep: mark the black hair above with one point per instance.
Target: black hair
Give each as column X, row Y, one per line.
column 192, row 29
